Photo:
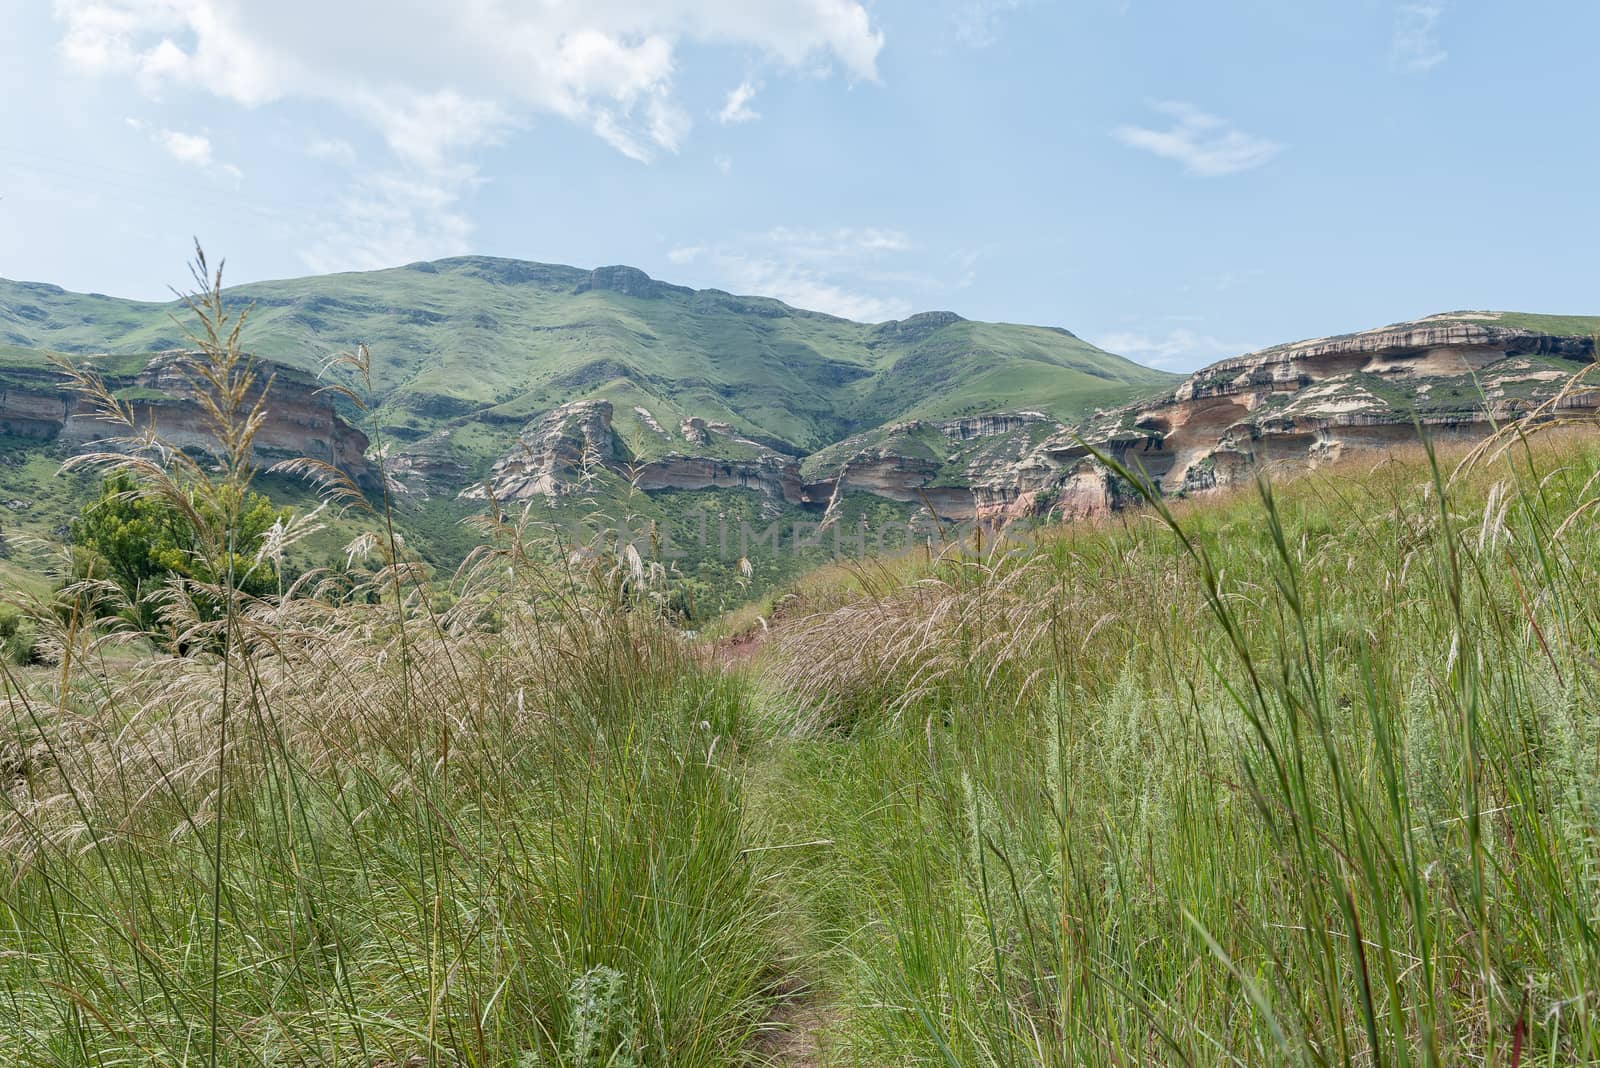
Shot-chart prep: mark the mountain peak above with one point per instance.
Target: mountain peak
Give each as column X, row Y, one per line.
column 629, row 282
column 916, row 327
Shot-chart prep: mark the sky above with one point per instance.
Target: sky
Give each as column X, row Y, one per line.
column 1174, row 181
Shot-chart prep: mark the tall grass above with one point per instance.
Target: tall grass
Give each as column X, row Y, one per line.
column 369, row 821
column 1308, row 776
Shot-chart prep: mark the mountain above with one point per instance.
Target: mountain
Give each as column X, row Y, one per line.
column 479, row 347
column 503, row 376
column 552, row 385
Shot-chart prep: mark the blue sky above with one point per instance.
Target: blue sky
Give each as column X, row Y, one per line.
column 1175, row 181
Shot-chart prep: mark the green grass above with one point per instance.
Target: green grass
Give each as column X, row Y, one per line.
column 1550, row 324
column 1309, row 779
column 1309, row 776
column 475, row 348
column 465, row 335
column 1317, row 788
column 361, row 823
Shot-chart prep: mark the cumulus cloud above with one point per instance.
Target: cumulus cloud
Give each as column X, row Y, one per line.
column 1206, row 145
column 1415, row 46
column 438, row 81
column 186, row 147
column 737, row 107
column 437, row 77
column 192, row 149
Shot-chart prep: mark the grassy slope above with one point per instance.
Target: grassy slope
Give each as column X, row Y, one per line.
column 1549, row 324
column 1018, row 807
column 459, row 336
column 1057, row 832
column 479, row 346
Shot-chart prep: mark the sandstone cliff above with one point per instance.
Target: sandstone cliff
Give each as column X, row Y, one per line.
column 1302, row 405
column 1296, row 405
column 36, row 403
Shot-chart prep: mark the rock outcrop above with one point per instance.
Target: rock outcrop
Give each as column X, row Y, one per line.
column 553, row 454
column 559, row 449
column 1298, row 405
column 1302, row 405
column 300, row 420
column 771, row 473
column 431, row 466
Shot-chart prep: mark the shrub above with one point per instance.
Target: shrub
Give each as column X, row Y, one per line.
column 19, row 636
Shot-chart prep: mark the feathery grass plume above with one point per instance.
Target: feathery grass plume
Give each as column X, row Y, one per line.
column 1300, row 775
column 369, row 819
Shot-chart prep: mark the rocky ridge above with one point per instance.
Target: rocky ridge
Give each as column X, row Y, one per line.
column 1296, row 405
column 1302, row 405
column 560, row 452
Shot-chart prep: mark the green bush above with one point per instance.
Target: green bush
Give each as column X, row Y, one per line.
column 19, row 635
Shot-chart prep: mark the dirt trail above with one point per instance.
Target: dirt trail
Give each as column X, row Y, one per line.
column 797, row 1034
column 740, row 648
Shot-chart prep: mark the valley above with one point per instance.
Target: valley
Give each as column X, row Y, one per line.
column 562, row 390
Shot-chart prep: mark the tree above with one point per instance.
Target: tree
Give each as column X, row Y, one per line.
column 138, row 542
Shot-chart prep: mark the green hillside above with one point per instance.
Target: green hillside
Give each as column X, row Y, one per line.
column 476, row 339
column 468, row 351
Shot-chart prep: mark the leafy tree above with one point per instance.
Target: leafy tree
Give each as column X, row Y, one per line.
column 138, row 541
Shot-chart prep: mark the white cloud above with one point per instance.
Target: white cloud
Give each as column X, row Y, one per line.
column 438, row 81
column 686, row 253
column 1176, row 350
column 188, row 148
column 723, row 163
column 804, row 287
column 1415, row 46
column 843, row 244
column 191, row 149
column 393, row 217
column 737, row 107
column 433, row 78
column 1206, row 145
column 427, row 127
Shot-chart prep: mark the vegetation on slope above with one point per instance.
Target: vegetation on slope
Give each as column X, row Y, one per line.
column 471, row 349
column 504, row 339
column 1304, row 778
column 356, row 828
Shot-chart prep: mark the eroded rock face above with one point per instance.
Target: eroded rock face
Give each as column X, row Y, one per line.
column 774, row 475
column 1298, row 405
column 34, row 412
column 552, row 453
column 300, row 421
column 988, row 426
column 430, row 467
column 1313, row 401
